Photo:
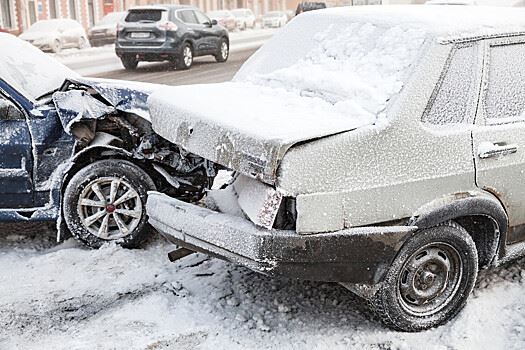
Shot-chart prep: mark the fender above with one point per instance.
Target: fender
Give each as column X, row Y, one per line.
column 460, row 206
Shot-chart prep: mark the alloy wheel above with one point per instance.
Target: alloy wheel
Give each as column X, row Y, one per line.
column 110, row 208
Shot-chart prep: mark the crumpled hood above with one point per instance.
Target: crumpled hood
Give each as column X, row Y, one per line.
column 243, row 126
column 76, row 105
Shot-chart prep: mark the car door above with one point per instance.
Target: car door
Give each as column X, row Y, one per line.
column 209, row 33
column 16, row 157
column 499, row 139
column 188, row 17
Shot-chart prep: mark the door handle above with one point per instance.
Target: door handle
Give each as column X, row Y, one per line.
column 498, row 149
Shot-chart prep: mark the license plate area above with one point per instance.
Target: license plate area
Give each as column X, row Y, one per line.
column 140, row 35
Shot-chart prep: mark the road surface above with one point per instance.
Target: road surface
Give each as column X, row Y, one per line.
column 204, row 70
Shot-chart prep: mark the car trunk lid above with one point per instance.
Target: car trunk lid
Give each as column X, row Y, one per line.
column 244, row 127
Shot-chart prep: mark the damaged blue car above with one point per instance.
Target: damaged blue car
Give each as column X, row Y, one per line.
column 82, row 152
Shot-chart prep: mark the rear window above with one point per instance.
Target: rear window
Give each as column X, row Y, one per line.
column 144, row 16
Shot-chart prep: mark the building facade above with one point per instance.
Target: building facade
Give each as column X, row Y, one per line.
column 17, row 15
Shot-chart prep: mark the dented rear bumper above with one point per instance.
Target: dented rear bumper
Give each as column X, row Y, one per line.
column 358, row 255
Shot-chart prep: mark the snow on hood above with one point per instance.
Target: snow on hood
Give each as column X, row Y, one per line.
column 29, row 70
column 320, row 76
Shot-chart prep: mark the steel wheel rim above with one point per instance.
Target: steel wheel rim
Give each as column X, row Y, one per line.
column 110, row 208
column 224, row 50
column 188, row 56
column 430, row 279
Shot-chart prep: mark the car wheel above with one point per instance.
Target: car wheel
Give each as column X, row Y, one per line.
column 129, row 62
column 83, row 43
column 223, row 51
column 57, row 46
column 106, row 202
column 186, row 59
column 429, row 281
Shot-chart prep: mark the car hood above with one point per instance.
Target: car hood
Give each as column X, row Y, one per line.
column 244, row 127
column 74, row 105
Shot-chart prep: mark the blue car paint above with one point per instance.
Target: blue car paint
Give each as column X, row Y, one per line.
column 34, row 159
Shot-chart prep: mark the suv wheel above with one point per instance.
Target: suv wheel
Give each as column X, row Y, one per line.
column 129, row 62
column 429, row 281
column 57, row 46
column 186, row 59
column 223, row 51
column 106, row 202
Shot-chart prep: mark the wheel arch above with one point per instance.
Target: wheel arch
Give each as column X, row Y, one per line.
column 481, row 214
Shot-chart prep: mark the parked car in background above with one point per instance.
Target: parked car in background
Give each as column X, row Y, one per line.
column 105, row 31
column 225, row 18
column 170, row 33
column 309, row 6
column 290, row 14
column 401, row 191
column 274, row 19
column 82, row 152
column 244, row 18
column 56, row 34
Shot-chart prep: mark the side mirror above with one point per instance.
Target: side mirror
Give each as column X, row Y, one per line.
column 214, row 22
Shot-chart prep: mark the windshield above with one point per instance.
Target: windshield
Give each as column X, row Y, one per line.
column 28, row 70
column 44, row 27
column 355, row 66
column 145, row 15
column 112, row 18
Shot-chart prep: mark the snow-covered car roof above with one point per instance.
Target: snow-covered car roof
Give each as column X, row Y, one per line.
column 28, row 70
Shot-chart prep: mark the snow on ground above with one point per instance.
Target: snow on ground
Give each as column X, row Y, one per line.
column 69, row 297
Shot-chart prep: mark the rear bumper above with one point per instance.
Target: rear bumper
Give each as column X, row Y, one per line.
column 360, row 255
column 170, row 49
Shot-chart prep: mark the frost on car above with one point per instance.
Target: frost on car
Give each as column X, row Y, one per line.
column 377, row 147
column 83, row 152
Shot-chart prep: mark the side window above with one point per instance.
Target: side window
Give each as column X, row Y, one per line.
column 456, row 91
column 505, row 94
column 8, row 111
column 201, row 18
column 187, row 16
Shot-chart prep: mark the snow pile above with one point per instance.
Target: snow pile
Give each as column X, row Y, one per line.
column 29, row 70
column 68, row 297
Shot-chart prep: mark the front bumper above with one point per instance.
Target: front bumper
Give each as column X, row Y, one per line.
column 358, row 255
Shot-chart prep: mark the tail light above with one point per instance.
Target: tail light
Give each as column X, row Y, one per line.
column 167, row 26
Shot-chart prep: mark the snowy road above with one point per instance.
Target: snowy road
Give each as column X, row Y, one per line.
column 99, row 61
column 68, row 297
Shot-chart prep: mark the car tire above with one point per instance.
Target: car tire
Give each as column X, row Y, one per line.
column 120, row 215
column 129, row 62
column 430, row 280
column 57, row 46
column 185, row 61
column 83, row 43
column 223, row 51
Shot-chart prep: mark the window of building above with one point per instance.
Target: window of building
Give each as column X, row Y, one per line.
column 53, row 9
column 73, row 9
column 6, row 20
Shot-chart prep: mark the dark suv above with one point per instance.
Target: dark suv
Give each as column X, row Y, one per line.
column 169, row 33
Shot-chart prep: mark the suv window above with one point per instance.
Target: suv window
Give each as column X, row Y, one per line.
column 8, row 111
column 144, row 15
column 456, row 91
column 187, row 16
column 505, row 99
column 201, row 18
